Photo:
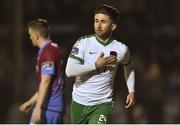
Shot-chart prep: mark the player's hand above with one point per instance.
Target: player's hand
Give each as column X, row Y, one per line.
column 130, row 100
column 25, row 107
column 36, row 116
column 103, row 62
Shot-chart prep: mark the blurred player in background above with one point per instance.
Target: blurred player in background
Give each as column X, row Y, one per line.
column 48, row 101
column 93, row 61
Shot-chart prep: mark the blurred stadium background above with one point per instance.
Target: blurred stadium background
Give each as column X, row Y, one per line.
column 151, row 29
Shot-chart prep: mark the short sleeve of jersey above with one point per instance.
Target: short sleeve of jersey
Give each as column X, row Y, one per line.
column 122, row 50
column 77, row 51
column 48, row 63
column 48, row 68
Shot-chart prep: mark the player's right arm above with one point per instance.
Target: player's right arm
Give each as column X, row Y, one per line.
column 75, row 65
column 27, row 106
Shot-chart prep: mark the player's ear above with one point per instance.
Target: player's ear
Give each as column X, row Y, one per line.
column 113, row 26
column 37, row 35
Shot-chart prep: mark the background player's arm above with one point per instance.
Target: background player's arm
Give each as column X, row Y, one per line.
column 130, row 78
column 43, row 90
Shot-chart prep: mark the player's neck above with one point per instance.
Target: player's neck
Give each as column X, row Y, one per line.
column 42, row 42
column 103, row 39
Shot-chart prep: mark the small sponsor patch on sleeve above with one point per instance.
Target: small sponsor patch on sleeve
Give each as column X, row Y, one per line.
column 75, row 50
column 47, row 68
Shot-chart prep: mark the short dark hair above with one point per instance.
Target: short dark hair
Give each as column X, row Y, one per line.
column 112, row 12
column 40, row 25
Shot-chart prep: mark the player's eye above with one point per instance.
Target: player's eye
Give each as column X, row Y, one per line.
column 104, row 21
column 96, row 21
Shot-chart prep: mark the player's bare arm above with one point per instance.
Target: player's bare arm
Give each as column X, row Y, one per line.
column 43, row 89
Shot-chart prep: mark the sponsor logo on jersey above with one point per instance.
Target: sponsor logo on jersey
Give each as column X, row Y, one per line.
column 75, row 50
column 48, row 66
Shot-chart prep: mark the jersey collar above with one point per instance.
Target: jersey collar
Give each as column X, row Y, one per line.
column 41, row 49
column 101, row 42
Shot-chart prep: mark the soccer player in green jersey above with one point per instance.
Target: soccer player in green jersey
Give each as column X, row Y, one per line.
column 93, row 61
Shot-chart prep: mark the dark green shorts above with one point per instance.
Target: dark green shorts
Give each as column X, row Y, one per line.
column 98, row 114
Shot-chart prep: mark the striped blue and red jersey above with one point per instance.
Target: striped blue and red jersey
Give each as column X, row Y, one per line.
column 49, row 62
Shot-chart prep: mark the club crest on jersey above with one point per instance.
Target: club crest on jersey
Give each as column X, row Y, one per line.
column 48, row 66
column 75, row 50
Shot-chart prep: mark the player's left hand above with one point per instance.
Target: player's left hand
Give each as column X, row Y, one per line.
column 130, row 100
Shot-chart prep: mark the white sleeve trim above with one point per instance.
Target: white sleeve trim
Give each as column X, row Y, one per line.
column 75, row 68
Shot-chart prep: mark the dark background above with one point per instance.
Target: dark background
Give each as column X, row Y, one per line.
column 150, row 28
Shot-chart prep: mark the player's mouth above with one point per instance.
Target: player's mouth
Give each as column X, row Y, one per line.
column 99, row 30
